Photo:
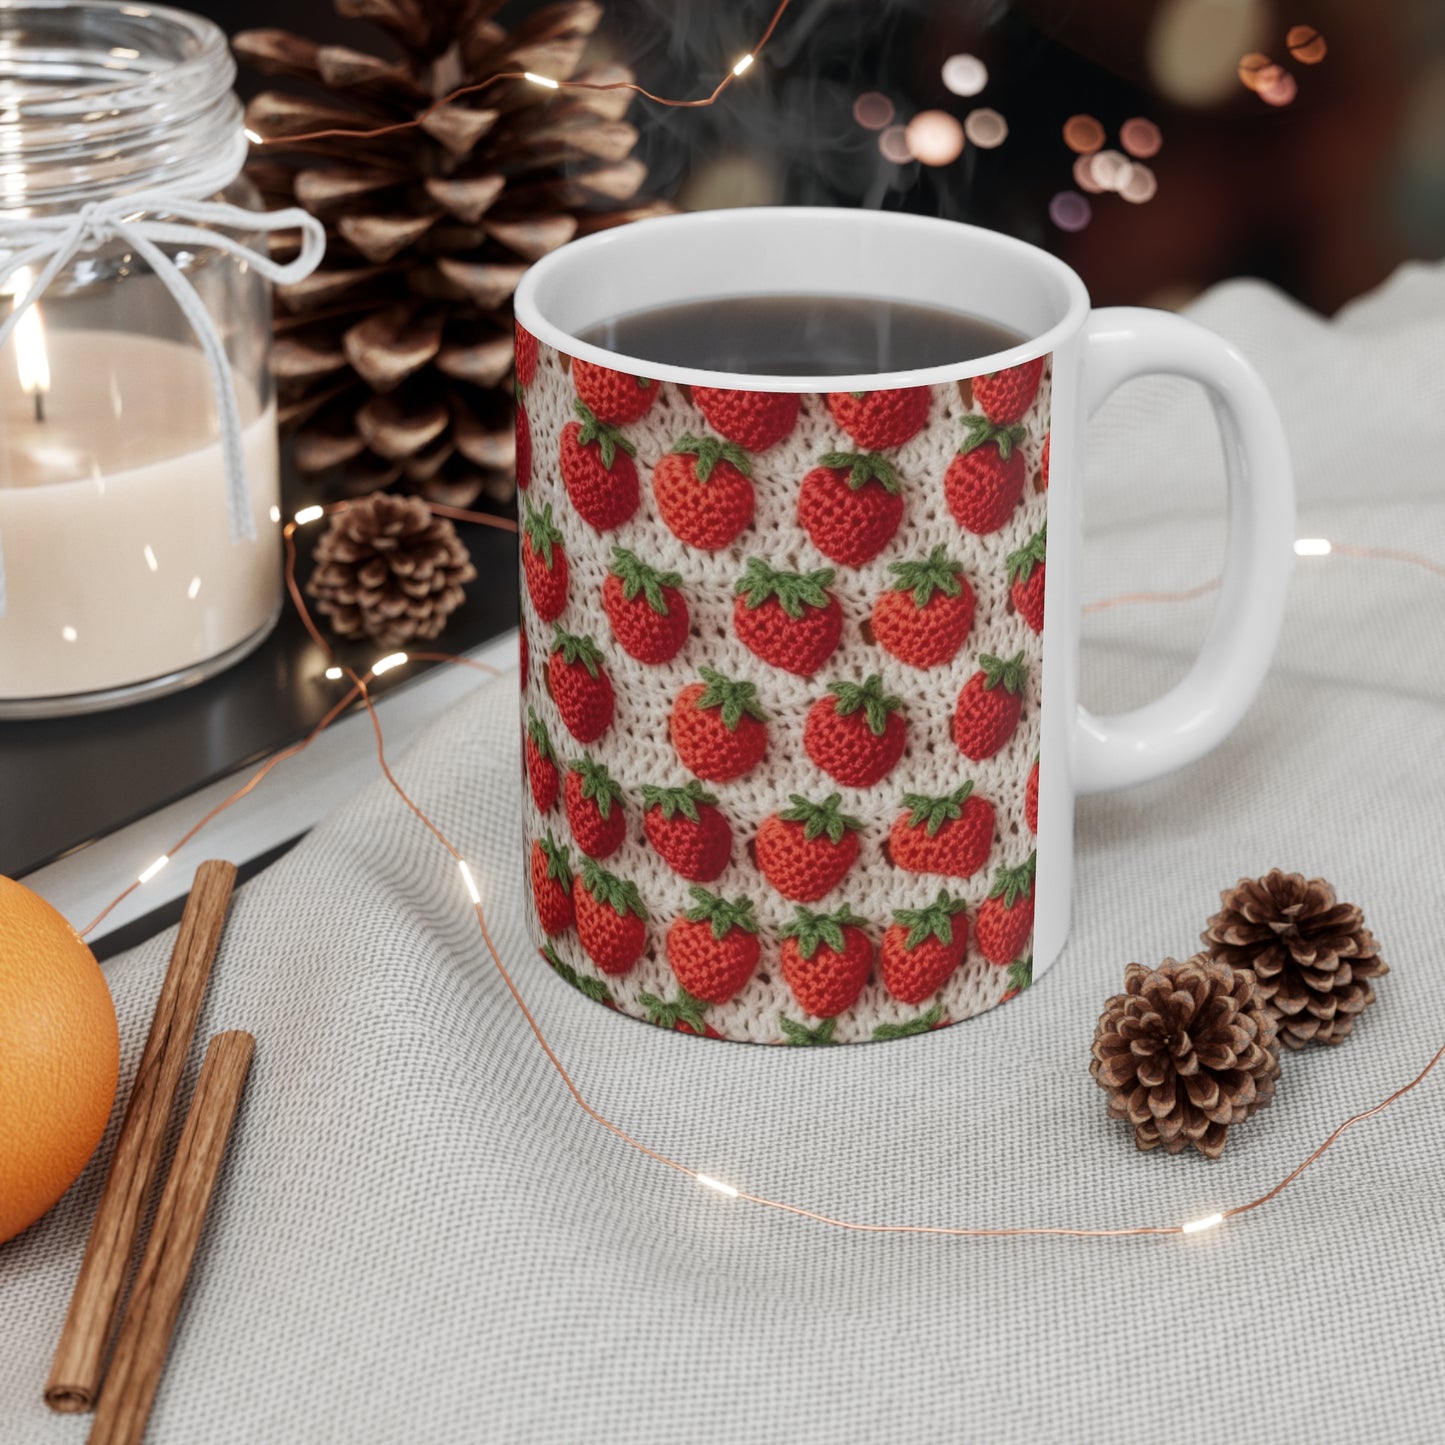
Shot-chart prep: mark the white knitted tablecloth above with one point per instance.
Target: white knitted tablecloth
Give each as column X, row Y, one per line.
column 418, row 1236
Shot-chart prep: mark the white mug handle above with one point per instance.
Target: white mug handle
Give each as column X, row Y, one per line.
column 1198, row 712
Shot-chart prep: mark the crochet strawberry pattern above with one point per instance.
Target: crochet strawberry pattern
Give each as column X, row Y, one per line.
column 780, row 676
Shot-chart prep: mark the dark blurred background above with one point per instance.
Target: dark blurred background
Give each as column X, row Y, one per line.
column 1321, row 179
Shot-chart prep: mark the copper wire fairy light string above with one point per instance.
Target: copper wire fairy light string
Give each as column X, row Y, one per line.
column 360, row 690
column 546, row 81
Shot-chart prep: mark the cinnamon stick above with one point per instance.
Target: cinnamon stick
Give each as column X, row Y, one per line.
column 75, row 1372
column 155, row 1298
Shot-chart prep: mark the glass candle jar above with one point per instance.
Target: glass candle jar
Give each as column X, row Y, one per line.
column 130, row 568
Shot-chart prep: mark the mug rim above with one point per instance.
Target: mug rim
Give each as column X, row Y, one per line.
column 591, row 249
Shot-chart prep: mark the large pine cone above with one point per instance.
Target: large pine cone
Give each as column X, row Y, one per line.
column 394, row 359
column 1313, row 957
column 1187, row 1050
column 388, row 570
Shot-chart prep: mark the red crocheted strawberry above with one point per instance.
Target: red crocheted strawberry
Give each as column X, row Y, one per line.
column 1006, row 916
column 878, row 419
column 806, row 851
column 593, row 799
column 541, row 763
column 584, row 983
column 1031, row 799
column 925, row 617
column 688, row 830
column 951, row 835
column 789, row 619
column 850, row 504
column 544, row 562
column 713, row 948
column 718, row 727
column 523, row 658
column 613, row 396
column 989, row 706
column 704, row 492
column 579, row 685
column 826, row 959
column 1004, row 396
column 551, row 885
column 524, row 345
column 984, row 482
column 648, row 614
column 524, row 447
column 1026, row 577
column 611, row 918
column 1020, row 976
column 683, row 1014
column 923, row 947
column 856, row 734
column 1044, row 461
column 756, row 420
column 599, row 472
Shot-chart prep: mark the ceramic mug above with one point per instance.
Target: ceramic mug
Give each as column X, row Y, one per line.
column 800, row 655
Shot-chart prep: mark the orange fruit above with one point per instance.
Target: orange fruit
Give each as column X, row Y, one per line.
column 59, row 1055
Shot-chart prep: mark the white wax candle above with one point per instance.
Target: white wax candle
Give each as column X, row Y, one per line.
column 113, row 518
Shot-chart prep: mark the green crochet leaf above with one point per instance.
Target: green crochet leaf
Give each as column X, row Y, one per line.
column 724, row 916
column 575, row 648
column 735, row 700
column 811, row 931
column 709, row 451
column 593, row 988
column 558, row 864
column 869, row 696
column 620, row 894
column 920, row 1025
column 669, row 1013
column 637, row 577
column 1011, row 884
column 932, row 813
column 608, row 438
column 820, row 818
column 598, row 784
column 1010, row 675
column 1021, row 973
column 938, row 574
column 541, row 739
column 979, row 431
column 935, row 921
column 543, row 533
column 673, row 801
column 795, row 591
column 862, row 468
column 1021, row 564
column 801, row 1036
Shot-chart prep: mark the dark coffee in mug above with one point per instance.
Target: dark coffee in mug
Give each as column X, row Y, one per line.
column 802, row 335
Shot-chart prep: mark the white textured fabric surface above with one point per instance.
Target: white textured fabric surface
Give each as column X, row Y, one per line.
column 418, row 1237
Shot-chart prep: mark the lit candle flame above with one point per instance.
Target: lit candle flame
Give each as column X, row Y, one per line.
column 30, row 356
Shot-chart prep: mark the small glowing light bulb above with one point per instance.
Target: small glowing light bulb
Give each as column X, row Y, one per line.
column 154, row 868
column 1312, row 547
column 1195, row 1226
column 256, row 140
column 541, row 80
column 742, row 64
column 309, row 514
column 385, row 664
column 332, row 674
column 469, row 880
column 708, row 1182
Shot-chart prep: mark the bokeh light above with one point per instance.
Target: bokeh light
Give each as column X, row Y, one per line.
column 1194, row 46
column 934, row 137
column 985, row 128
column 1083, row 134
column 1251, row 67
column 1070, row 211
column 1139, row 185
column 1110, row 169
column 893, row 142
column 1084, row 175
column 872, row 110
column 1140, row 137
column 964, row 74
column 1278, row 87
column 1306, row 44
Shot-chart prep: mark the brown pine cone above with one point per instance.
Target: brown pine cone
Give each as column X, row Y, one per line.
column 388, row 570
column 1313, row 957
column 1185, row 1051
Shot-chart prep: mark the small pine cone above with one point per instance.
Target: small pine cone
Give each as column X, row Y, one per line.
column 388, row 570
column 1185, row 1051
column 1313, row 957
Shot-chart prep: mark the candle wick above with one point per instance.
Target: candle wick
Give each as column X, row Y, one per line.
column 39, row 404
